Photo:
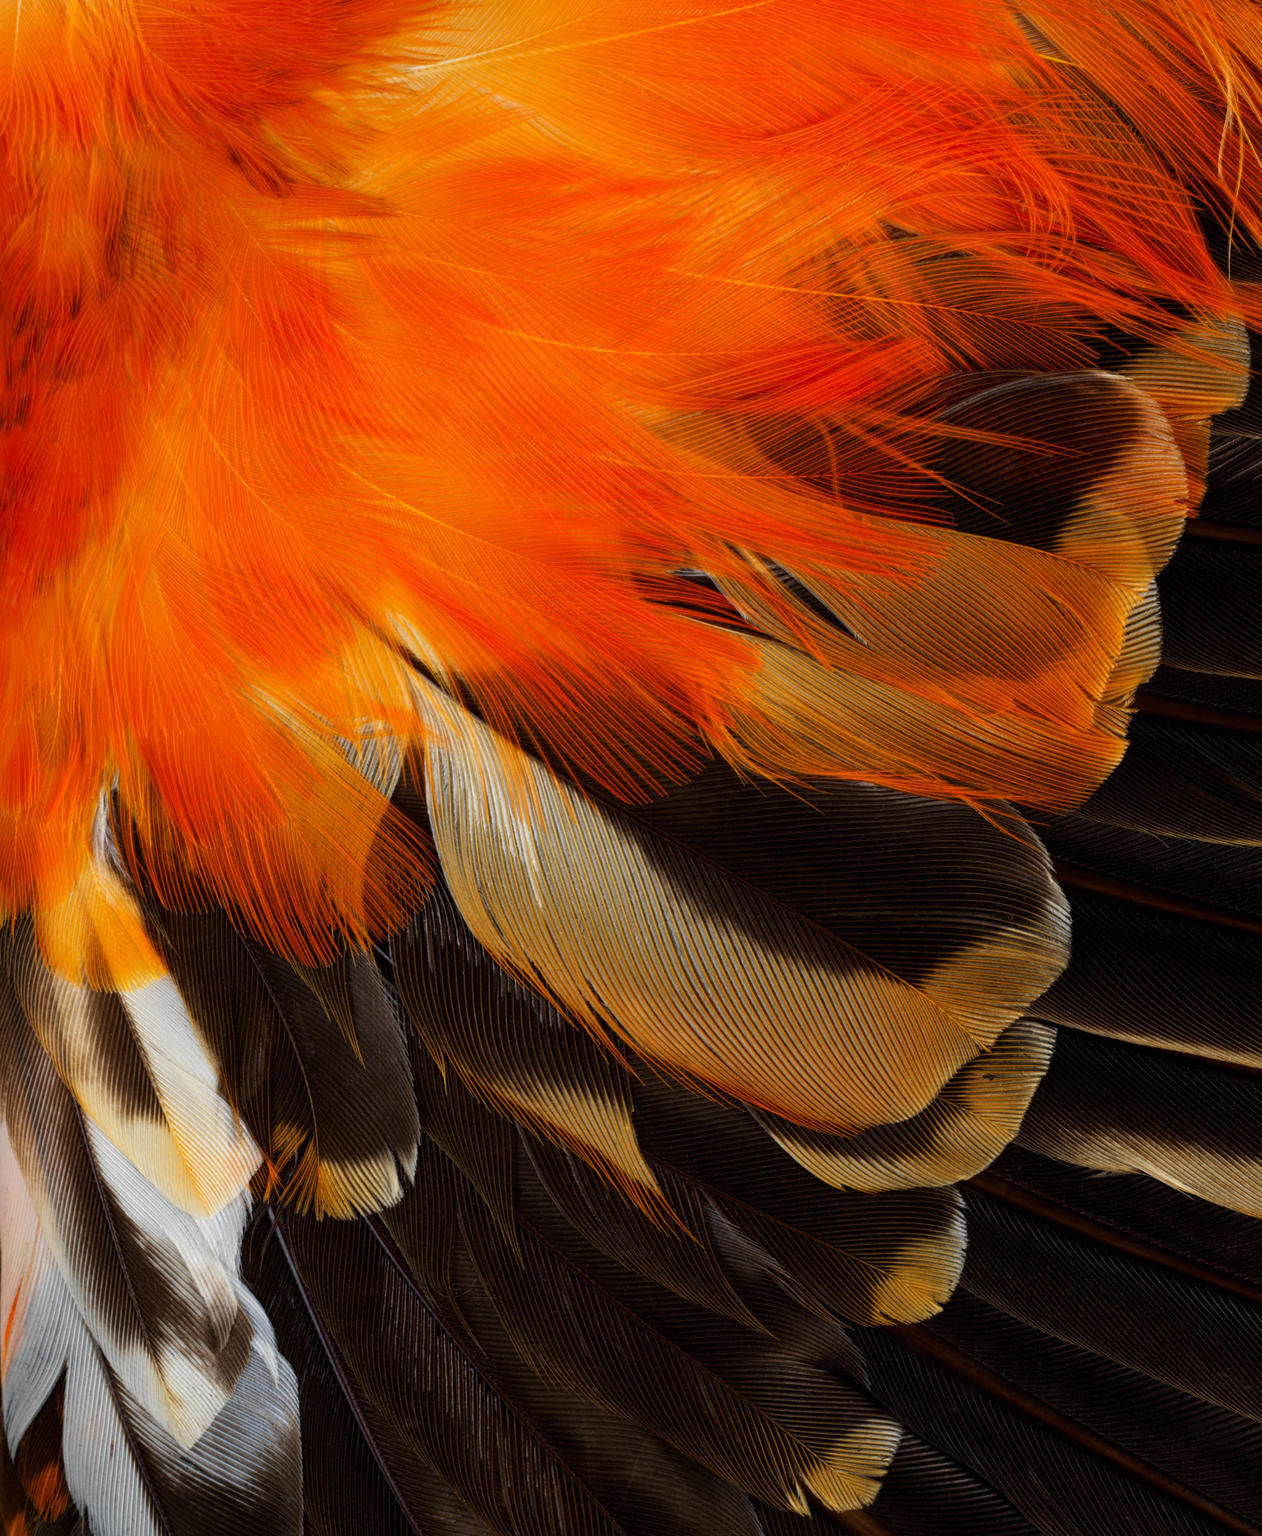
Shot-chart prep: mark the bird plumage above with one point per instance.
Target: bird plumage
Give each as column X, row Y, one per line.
column 584, row 951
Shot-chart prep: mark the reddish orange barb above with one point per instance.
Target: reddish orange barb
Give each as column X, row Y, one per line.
column 465, row 328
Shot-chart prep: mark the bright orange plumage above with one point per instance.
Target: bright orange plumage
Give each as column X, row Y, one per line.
column 469, row 327
column 550, row 405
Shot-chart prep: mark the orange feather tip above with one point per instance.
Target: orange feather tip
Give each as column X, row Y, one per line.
column 95, row 936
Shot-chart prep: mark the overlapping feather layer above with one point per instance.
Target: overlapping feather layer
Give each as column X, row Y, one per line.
column 615, row 506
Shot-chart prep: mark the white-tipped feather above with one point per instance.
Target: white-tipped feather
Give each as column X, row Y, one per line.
column 218, row 1153
column 156, row 1287
column 136, row 1063
column 127, row 1473
column 32, row 1296
column 170, row 1376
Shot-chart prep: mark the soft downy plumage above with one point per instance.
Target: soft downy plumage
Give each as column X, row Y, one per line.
column 584, row 949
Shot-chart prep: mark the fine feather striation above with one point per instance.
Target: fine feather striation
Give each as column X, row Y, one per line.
column 138, row 1069
column 627, row 1399
column 122, row 1468
column 157, row 1288
column 1097, row 1362
column 729, row 974
column 465, row 330
column 517, row 1055
column 313, row 1061
column 568, row 401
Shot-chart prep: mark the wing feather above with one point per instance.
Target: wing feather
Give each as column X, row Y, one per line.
column 698, row 971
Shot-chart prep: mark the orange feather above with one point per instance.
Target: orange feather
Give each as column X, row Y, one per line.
column 557, row 560
column 466, row 327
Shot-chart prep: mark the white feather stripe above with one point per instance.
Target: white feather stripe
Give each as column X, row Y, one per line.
column 175, row 1376
column 137, row 1066
column 19, row 1238
column 102, row 1472
column 244, row 1475
column 155, row 1286
column 29, row 1284
column 217, row 1151
column 128, row 1475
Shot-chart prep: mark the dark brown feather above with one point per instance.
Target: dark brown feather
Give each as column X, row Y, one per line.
column 315, row 1063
